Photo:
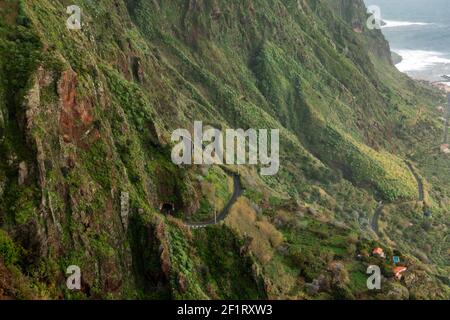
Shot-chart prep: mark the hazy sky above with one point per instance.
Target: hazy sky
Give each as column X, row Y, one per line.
column 412, row 10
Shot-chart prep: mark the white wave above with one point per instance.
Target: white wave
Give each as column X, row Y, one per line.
column 418, row 60
column 395, row 24
column 444, row 83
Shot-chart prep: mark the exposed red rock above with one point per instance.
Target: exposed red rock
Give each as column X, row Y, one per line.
column 76, row 114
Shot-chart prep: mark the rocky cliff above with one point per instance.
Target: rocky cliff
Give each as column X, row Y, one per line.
column 85, row 152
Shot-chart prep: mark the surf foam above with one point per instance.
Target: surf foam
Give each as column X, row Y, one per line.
column 396, row 24
column 419, row 60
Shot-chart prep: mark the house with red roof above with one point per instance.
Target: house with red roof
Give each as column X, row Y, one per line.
column 398, row 272
column 379, row 252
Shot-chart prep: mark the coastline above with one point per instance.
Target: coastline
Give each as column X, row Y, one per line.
column 439, row 84
column 396, row 58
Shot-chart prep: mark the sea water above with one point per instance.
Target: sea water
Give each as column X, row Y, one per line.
column 419, row 31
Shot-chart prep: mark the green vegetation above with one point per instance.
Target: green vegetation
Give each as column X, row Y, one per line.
column 8, row 251
column 86, row 117
column 218, row 247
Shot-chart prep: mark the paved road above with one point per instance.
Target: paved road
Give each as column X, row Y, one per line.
column 379, row 210
column 418, row 179
column 237, row 192
column 376, row 218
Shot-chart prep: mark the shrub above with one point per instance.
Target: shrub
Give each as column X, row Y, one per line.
column 8, row 250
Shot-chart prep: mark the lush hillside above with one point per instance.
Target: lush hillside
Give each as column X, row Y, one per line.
column 85, row 153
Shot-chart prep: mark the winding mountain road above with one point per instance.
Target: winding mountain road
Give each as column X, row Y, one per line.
column 237, row 192
column 418, row 179
column 379, row 209
column 376, row 218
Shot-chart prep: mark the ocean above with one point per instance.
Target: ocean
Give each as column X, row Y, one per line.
column 419, row 31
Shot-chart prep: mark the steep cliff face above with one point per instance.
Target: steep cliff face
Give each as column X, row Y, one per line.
column 356, row 14
column 86, row 171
